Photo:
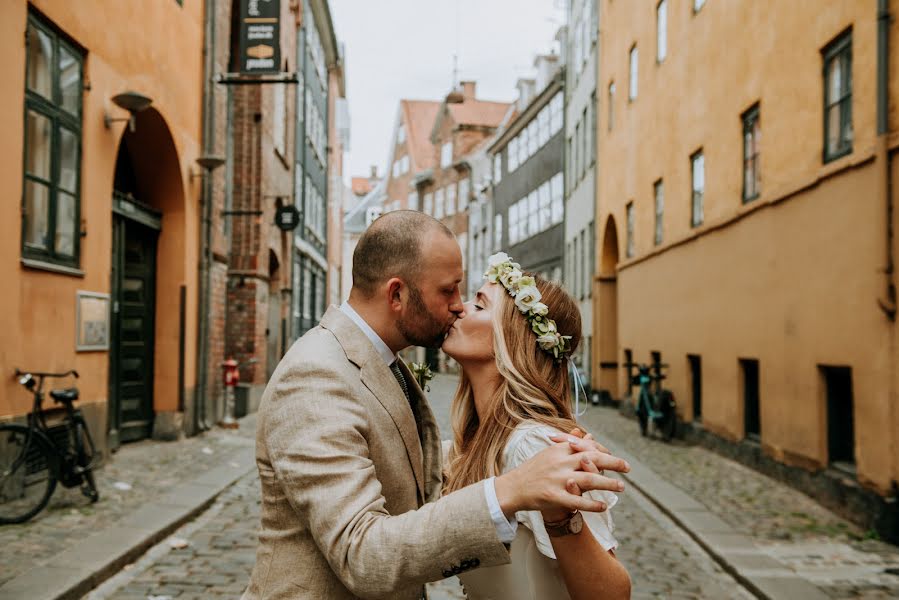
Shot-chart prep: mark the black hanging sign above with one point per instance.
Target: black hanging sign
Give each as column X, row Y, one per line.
column 260, row 35
column 287, row 217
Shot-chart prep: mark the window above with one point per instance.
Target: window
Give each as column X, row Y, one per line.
column 446, row 155
column 512, row 155
column 611, row 104
column 660, row 210
column 438, row 204
column 569, row 162
column 523, row 146
column 585, row 277
column 497, row 231
column 513, row 224
column 749, row 370
column 697, row 163
column 576, row 281
column 578, row 154
column 451, row 199
column 630, row 230
column 429, row 203
column 545, row 215
column 838, row 97
column 751, row 133
column 464, row 194
column 533, row 138
column 543, row 125
column 591, row 128
column 662, row 30
column 533, row 208
column 632, row 83
column 697, row 5
column 412, row 201
column 396, row 168
column 591, row 252
column 558, row 201
column 497, row 167
column 279, row 119
column 584, row 136
column 555, row 114
column 52, row 167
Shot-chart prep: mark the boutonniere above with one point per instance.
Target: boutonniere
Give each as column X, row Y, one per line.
column 422, row 373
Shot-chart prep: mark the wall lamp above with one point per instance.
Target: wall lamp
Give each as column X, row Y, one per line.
column 208, row 163
column 130, row 101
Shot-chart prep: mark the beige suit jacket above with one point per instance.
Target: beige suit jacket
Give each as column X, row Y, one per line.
column 345, row 480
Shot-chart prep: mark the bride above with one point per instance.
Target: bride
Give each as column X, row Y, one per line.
column 513, row 345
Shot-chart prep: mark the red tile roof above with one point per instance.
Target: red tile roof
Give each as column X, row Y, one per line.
column 418, row 117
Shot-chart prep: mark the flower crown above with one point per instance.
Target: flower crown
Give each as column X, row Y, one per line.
column 523, row 288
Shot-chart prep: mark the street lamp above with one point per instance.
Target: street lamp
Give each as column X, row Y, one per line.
column 208, row 163
column 131, row 101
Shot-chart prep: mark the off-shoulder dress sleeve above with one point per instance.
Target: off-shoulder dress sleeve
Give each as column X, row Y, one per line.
column 526, row 441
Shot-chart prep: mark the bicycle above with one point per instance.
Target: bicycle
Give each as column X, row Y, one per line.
column 34, row 457
column 656, row 407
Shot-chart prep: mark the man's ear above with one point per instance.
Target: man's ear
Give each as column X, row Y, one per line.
column 395, row 287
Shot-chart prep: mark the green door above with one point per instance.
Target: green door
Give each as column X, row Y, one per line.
column 134, row 311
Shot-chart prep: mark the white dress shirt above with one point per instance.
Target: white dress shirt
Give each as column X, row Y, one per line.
column 505, row 530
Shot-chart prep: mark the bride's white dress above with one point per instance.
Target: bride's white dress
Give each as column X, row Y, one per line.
column 533, row 573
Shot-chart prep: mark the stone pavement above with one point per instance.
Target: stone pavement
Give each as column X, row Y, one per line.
column 146, row 489
column 779, row 523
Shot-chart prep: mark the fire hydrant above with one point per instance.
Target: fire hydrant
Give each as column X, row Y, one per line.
column 231, row 375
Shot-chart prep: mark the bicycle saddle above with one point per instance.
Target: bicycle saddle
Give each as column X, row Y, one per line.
column 66, row 395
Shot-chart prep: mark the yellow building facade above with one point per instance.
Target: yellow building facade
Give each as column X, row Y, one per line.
column 99, row 235
column 745, row 202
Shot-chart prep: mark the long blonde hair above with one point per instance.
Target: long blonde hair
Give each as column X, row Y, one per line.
column 534, row 387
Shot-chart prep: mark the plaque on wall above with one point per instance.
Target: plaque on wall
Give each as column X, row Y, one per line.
column 260, row 31
column 91, row 321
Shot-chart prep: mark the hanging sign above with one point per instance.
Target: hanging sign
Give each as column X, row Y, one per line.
column 287, row 217
column 260, row 35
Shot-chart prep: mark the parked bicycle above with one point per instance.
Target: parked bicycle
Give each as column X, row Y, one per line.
column 655, row 405
column 34, row 457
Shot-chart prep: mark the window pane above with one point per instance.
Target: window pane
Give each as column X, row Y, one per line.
column 40, row 62
column 65, row 224
column 632, row 92
column 68, row 160
column 38, row 142
column 37, row 201
column 833, row 129
column 69, row 81
column 834, row 79
column 662, row 33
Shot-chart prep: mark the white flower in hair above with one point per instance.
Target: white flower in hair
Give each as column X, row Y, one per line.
column 527, row 297
column 498, row 259
column 510, row 279
column 548, row 341
column 540, row 309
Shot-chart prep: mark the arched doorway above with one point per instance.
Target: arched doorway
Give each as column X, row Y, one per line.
column 607, row 312
column 146, row 358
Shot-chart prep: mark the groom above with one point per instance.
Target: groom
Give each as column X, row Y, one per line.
column 348, row 450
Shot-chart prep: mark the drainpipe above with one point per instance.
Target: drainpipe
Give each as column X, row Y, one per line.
column 887, row 304
column 200, row 417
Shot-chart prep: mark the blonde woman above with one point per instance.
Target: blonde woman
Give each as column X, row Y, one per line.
column 513, row 345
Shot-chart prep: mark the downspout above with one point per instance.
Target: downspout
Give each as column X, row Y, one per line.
column 887, row 304
column 200, row 416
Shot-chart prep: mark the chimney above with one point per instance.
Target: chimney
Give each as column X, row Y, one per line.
column 374, row 173
column 525, row 92
column 468, row 89
column 546, row 65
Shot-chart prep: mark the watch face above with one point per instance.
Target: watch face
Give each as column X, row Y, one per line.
column 576, row 523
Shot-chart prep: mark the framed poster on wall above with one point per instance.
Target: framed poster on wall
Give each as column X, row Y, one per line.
column 91, row 321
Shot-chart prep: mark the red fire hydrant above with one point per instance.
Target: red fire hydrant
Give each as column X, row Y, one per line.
column 231, row 376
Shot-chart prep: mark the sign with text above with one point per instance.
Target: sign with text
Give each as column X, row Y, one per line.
column 260, row 35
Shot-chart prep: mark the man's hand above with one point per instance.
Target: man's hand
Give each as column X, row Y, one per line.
column 547, row 481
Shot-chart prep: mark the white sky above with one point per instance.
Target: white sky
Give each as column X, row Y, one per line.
column 404, row 49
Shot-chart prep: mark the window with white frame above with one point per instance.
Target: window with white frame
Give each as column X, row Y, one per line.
column 697, row 164
column 533, row 138
column 632, row 83
column 662, row 30
column 497, row 167
column 659, row 192
column 513, row 224
column 543, row 124
column 558, row 200
column 591, row 128
column 556, row 106
column 451, row 199
column 512, row 155
column 523, row 146
column 533, row 214
column 446, row 155
column 439, row 204
column 497, row 231
column 585, row 276
column 630, row 230
column 429, row 204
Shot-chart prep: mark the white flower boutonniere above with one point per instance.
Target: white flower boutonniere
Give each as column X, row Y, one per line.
column 423, row 374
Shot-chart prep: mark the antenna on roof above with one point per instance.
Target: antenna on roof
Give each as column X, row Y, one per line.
column 455, row 71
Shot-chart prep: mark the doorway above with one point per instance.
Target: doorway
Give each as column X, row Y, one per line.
column 135, row 231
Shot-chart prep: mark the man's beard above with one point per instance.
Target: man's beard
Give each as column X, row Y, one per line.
column 418, row 326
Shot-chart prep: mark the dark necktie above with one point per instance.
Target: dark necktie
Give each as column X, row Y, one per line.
column 395, row 369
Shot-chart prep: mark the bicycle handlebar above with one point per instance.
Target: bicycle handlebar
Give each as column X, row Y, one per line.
column 40, row 374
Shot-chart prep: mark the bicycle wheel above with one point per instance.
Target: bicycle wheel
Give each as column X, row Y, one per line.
column 668, row 426
column 27, row 473
column 84, row 458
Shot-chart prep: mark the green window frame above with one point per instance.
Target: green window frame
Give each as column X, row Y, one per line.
column 752, row 180
column 51, row 170
column 837, row 75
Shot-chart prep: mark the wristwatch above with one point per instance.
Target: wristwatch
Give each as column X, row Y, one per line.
column 572, row 524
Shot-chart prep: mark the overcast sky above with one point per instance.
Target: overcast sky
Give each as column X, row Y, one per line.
column 404, row 49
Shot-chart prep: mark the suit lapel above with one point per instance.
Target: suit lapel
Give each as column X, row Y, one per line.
column 376, row 376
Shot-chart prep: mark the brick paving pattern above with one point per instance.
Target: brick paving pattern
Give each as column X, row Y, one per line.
column 829, row 551
column 150, row 468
